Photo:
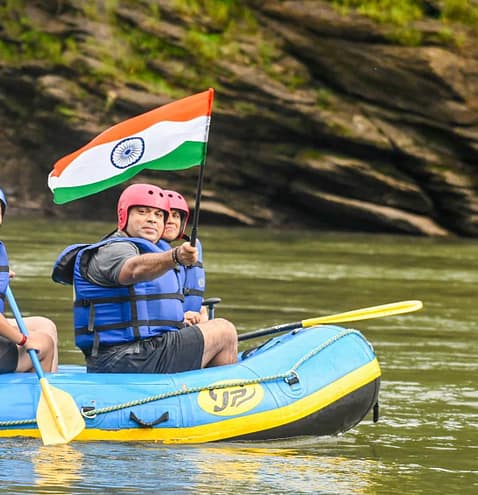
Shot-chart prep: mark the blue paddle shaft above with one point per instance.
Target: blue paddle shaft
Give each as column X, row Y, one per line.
column 21, row 325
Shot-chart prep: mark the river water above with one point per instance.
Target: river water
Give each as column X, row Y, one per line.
column 426, row 440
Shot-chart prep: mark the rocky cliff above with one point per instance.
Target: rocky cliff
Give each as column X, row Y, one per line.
column 322, row 118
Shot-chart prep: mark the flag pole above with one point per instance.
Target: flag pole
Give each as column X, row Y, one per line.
column 200, row 181
column 194, row 228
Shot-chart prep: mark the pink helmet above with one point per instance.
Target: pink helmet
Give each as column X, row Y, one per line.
column 141, row 195
column 177, row 202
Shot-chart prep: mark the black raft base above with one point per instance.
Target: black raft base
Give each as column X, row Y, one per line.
column 336, row 418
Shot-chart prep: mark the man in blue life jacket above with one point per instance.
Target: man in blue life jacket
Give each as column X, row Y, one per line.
column 42, row 335
column 193, row 277
column 128, row 310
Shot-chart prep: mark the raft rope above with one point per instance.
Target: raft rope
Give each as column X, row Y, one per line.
column 290, row 377
column 18, row 422
column 291, row 374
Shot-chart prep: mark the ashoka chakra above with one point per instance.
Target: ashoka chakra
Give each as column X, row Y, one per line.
column 127, row 152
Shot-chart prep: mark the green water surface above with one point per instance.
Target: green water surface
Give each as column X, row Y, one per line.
column 426, row 440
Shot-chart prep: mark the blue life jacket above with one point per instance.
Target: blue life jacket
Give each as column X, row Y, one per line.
column 4, row 275
column 192, row 278
column 105, row 316
column 65, row 264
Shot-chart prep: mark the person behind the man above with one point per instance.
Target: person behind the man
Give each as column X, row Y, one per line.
column 128, row 310
column 42, row 335
column 193, row 277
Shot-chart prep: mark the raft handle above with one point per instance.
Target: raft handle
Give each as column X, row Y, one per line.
column 149, row 424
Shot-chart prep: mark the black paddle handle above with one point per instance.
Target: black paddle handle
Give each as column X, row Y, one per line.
column 270, row 331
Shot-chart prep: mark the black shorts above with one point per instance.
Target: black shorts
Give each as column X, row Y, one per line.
column 170, row 352
column 8, row 355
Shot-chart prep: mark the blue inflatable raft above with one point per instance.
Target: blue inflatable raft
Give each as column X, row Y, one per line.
column 316, row 381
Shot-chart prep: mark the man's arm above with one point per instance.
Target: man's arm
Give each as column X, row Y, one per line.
column 151, row 265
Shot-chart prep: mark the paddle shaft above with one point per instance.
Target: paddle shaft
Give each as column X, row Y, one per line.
column 21, row 326
column 355, row 315
column 36, row 365
column 285, row 327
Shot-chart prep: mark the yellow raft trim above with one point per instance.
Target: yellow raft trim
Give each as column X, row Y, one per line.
column 234, row 427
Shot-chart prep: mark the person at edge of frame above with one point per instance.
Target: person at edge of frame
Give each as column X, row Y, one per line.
column 193, row 277
column 128, row 310
column 42, row 333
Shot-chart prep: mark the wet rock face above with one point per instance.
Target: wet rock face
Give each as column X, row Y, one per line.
column 371, row 136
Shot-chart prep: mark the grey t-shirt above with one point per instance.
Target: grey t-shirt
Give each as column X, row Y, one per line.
column 104, row 266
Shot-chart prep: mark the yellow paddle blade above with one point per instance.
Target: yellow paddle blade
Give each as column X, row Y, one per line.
column 366, row 313
column 58, row 417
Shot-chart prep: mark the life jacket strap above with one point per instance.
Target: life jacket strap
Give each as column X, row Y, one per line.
column 135, row 323
column 193, row 292
column 129, row 298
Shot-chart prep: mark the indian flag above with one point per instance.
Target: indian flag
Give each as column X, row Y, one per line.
column 171, row 137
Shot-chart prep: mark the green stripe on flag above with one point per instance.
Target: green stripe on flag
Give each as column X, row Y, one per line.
column 187, row 155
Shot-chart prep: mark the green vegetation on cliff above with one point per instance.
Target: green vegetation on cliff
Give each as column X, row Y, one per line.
column 358, row 111
column 213, row 29
column 403, row 16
